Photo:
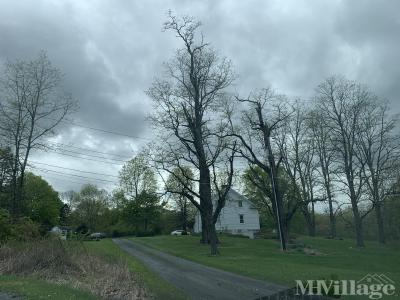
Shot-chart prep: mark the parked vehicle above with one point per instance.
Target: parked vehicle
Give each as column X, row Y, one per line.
column 180, row 232
column 97, row 236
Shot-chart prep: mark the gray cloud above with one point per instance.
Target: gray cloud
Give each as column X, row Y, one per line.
column 111, row 51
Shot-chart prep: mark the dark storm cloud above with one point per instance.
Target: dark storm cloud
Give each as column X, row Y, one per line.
column 371, row 29
column 110, row 51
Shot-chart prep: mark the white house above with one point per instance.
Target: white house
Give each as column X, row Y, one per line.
column 61, row 231
column 239, row 216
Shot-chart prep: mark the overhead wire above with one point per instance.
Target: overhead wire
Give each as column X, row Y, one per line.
column 73, row 175
column 87, row 149
column 86, row 158
column 60, row 178
column 71, row 169
column 90, row 155
column 85, row 126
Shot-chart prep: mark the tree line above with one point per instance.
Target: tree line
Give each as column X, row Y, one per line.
column 338, row 151
column 340, row 148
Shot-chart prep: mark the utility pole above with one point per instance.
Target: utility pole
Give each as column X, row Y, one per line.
column 278, row 211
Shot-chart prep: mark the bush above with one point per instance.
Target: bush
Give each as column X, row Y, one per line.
column 144, row 233
column 5, row 226
column 24, row 229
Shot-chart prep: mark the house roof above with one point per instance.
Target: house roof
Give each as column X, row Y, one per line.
column 234, row 195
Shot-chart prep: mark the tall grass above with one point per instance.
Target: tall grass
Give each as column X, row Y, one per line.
column 69, row 263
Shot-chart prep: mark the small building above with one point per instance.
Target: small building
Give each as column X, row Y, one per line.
column 61, row 231
column 239, row 216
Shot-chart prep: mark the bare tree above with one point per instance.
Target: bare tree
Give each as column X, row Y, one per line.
column 297, row 149
column 379, row 148
column 190, row 123
column 263, row 114
column 326, row 154
column 6, row 162
column 344, row 104
column 32, row 106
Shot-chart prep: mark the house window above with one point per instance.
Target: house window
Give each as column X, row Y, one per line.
column 240, row 203
column 241, row 219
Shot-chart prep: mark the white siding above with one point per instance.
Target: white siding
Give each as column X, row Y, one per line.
column 229, row 219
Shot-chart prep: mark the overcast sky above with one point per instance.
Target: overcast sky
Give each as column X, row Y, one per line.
column 110, row 51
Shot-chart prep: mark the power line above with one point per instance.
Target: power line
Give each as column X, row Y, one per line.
column 88, row 149
column 74, row 175
column 85, row 158
column 90, row 155
column 101, row 130
column 85, row 126
column 61, row 178
column 76, row 170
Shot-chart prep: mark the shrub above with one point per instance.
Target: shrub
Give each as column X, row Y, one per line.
column 5, row 226
column 144, row 233
column 24, row 229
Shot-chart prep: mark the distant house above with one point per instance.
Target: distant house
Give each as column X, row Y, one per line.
column 61, row 231
column 239, row 216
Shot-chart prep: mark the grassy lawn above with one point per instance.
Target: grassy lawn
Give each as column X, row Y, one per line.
column 36, row 289
column 262, row 258
column 155, row 284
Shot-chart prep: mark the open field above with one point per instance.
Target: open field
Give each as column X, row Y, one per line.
column 262, row 258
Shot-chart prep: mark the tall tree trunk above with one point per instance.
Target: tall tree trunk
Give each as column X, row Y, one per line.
column 14, row 208
column 378, row 209
column 211, row 233
column 184, row 216
column 349, row 171
column 327, row 184
column 285, row 232
column 357, row 223
column 282, row 226
column 204, row 229
column 310, row 219
column 332, row 219
column 208, row 226
column 379, row 221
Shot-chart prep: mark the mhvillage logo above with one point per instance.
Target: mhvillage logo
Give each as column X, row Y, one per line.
column 373, row 286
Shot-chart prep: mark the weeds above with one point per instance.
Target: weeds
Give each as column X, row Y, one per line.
column 69, row 263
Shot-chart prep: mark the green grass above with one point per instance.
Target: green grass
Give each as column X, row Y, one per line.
column 263, row 259
column 35, row 289
column 157, row 286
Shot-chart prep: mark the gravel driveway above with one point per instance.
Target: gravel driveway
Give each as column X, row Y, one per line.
column 196, row 280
